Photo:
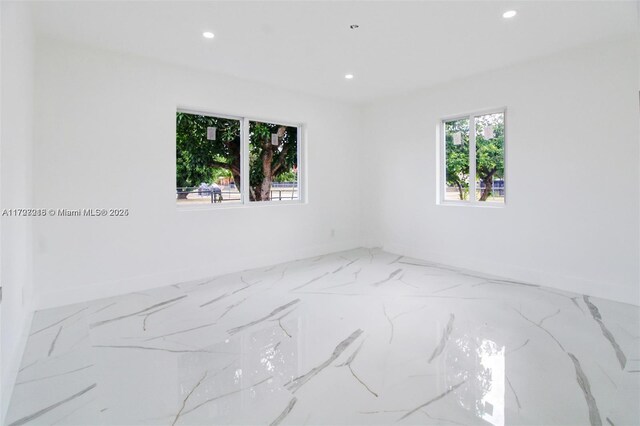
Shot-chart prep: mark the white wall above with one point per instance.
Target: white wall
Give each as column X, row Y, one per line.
column 105, row 137
column 16, row 184
column 637, row 43
column 107, row 121
column 571, row 219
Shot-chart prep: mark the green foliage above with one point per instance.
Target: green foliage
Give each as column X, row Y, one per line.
column 288, row 176
column 457, row 164
column 489, row 152
column 217, row 173
column 283, row 156
column 199, row 159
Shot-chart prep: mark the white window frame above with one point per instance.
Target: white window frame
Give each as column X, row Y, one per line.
column 244, row 162
column 442, row 158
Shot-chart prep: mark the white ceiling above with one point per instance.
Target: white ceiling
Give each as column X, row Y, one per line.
column 307, row 46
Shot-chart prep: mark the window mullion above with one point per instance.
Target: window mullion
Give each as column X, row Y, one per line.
column 301, row 164
column 443, row 161
column 244, row 154
column 472, row 159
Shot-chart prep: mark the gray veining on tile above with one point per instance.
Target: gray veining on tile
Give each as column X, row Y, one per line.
column 181, row 331
column 389, row 278
column 383, row 411
column 537, row 324
column 258, row 281
column 447, row 288
column 515, row 395
column 340, row 285
column 402, row 279
column 594, row 414
column 53, row 342
column 443, row 340
column 240, row 289
column 573, row 299
column 543, row 319
column 595, row 313
column 54, row 375
column 145, row 316
column 346, row 265
column 214, row 300
column 104, row 308
column 149, row 348
column 72, row 412
column 215, row 398
column 519, row 347
column 609, row 378
column 184, row 401
column 347, row 364
column 298, row 382
column 239, row 349
column 431, row 401
column 279, row 320
column 285, row 412
column 31, row 364
column 58, row 322
column 266, row 317
column 311, row 281
column 230, row 307
column 510, row 282
column 150, row 308
column 441, row 420
column 45, row 410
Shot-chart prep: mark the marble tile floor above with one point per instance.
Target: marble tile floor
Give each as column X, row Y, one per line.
column 356, row 338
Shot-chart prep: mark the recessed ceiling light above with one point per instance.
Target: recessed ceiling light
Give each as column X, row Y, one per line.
column 509, row 14
column 348, row 76
column 207, row 34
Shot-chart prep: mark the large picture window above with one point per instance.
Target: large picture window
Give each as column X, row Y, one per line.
column 473, row 160
column 233, row 160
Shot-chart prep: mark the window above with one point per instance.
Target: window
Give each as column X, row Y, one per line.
column 273, row 162
column 473, row 160
column 208, row 159
column 233, row 160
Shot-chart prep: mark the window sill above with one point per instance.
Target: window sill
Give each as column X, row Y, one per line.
column 482, row 205
column 253, row 204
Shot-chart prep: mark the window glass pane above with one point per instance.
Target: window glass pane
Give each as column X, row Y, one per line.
column 208, row 164
column 456, row 160
column 490, row 158
column 273, row 162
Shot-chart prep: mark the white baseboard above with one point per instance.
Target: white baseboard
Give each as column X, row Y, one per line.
column 513, row 272
column 103, row 289
column 11, row 365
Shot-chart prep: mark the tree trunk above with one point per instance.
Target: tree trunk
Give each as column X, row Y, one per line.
column 488, row 187
column 270, row 168
column 236, row 161
column 236, row 180
column 265, row 186
column 460, row 190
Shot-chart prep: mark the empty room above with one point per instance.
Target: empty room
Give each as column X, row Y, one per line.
column 320, row 213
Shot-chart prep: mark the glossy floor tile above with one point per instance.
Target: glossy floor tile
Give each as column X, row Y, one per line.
column 358, row 337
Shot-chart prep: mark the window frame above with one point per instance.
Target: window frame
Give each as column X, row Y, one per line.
column 244, row 161
column 442, row 158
